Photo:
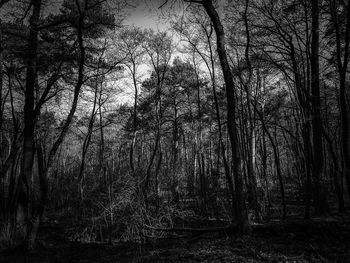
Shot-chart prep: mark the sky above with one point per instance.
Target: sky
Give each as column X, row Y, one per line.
column 147, row 14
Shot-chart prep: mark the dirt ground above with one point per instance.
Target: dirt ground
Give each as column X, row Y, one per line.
column 323, row 240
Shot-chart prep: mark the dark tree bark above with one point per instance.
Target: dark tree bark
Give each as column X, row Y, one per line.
column 241, row 213
column 335, row 173
column 134, row 122
column 102, row 162
column 29, row 118
column 86, row 142
column 1, row 79
column 30, row 115
column 317, row 164
column 251, row 131
column 276, row 161
column 342, row 66
column 222, row 147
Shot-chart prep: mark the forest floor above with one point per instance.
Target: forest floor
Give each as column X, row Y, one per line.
column 319, row 240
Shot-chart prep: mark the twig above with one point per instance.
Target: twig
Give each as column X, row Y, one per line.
column 166, row 1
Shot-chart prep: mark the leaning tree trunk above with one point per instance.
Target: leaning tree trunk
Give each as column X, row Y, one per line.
column 86, row 144
column 77, row 88
column 241, row 214
column 221, row 146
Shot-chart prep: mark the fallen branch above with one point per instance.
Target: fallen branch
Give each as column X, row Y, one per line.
column 196, row 230
column 271, row 229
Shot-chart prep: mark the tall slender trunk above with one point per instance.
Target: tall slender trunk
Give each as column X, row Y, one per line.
column 86, row 142
column 264, row 169
column 1, row 68
column 251, row 130
column 276, row 161
column 342, row 66
column 317, row 164
column 222, row 147
column 303, row 97
column 1, row 80
column 242, row 215
column 133, row 139
column 159, row 163
column 336, row 173
column 102, row 164
column 35, row 221
column 159, row 113
column 29, row 119
column 152, row 158
column 307, row 162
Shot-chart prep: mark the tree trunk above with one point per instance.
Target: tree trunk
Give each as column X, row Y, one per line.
column 342, row 71
column 317, row 164
column 1, row 81
column 242, row 216
column 133, row 139
column 277, row 163
column 336, row 174
column 102, row 163
column 86, row 143
column 29, row 119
